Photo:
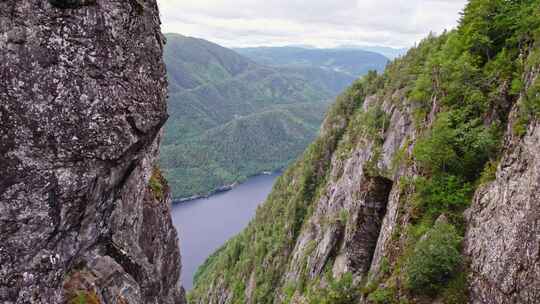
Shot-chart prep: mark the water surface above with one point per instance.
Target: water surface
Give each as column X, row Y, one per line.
column 205, row 224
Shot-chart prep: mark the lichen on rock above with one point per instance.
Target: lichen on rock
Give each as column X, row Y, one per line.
column 82, row 106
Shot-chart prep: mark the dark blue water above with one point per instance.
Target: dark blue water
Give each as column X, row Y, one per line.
column 205, row 224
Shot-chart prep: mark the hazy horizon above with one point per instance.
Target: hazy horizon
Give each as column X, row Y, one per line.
column 294, row 45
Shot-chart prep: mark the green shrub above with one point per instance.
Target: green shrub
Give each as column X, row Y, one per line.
column 288, row 292
column 441, row 194
column 456, row 290
column 489, row 173
column 338, row 291
column 458, row 143
column 529, row 109
column 157, row 184
column 520, row 126
column 372, row 123
column 344, row 216
column 533, row 98
column 435, row 152
column 239, row 289
column 383, row 296
column 434, row 260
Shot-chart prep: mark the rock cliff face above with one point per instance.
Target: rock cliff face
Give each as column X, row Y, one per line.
column 348, row 218
column 84, row 212
column 503, row 236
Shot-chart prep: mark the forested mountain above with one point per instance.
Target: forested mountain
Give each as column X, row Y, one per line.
column 194, row 62
column 423, row 186
column 354, row 62
column 231, row 117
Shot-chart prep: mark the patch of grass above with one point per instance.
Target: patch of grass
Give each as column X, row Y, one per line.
column 489, row 173
column 383, row 296
column 338, row 291
column 158, row 184
column 456, row 291
column 520, row 126
column 344, row 216
column 85, row 297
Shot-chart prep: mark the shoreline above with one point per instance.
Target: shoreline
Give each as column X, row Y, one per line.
column 221, row 189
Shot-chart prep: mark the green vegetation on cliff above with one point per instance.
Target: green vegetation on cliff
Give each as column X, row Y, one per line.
column 459, row 89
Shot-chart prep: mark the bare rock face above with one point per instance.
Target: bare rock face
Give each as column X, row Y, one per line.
column 503, row 236
column 84, row 213
column 503, row 239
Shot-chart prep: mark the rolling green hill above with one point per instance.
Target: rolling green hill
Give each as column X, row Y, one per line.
column 192, row 62
column 231, row 118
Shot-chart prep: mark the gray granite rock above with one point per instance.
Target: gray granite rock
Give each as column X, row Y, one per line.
column 503, row 232
column 82, row 103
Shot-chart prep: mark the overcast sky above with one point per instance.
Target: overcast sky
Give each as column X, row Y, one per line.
column 321, row 23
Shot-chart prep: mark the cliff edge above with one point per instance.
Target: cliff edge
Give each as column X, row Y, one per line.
column 84, row 211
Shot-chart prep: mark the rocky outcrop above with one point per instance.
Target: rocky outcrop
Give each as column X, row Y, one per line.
column 345, row 227
column 503, row 236
column 84, row 213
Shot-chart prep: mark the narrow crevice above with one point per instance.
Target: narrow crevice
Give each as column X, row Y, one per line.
column 367, row 223
column 64, row 4
column 123, row 259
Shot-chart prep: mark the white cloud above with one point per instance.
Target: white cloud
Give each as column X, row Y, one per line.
column 323, row 23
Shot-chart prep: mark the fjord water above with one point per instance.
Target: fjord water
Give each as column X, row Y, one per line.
column 206, row 224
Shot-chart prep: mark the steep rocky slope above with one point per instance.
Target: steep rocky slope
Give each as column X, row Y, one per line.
column 84, row 212
column 422, row 187
column 503, row 235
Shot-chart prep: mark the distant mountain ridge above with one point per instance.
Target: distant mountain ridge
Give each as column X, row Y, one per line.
column 389, row 52
column 354, row 62
column 231, row 117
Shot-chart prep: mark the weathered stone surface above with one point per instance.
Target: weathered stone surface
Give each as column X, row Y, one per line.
column 503, row 235
column 82, row 103
column 345, row 228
